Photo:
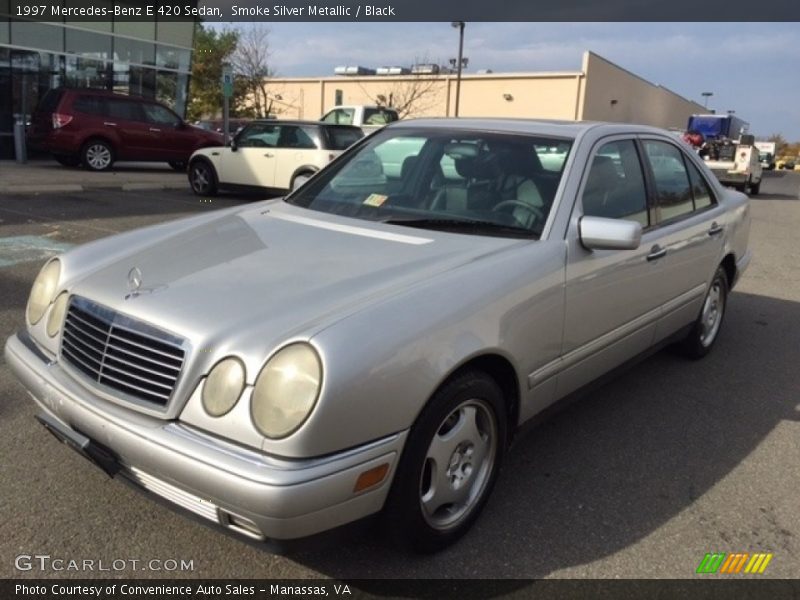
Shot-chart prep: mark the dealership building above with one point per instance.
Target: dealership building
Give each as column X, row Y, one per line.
column 151, row 59
column 599, row 91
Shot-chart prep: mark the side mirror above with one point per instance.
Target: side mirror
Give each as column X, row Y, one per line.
column 599, row 233
column 180, row 125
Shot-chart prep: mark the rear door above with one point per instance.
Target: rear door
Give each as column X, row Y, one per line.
column 689, row 220
column 127, row 119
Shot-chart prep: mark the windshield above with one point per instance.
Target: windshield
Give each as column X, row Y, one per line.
column 469, row 181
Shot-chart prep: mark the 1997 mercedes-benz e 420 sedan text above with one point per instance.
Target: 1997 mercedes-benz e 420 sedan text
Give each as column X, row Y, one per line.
column 372, row 341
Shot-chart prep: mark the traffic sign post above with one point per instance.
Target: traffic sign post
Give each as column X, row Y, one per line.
column 227, row 92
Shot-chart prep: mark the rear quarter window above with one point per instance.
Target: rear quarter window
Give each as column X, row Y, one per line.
column 341, row 138
column 49, row 102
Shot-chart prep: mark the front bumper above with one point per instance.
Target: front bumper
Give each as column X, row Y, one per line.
column 251, row 493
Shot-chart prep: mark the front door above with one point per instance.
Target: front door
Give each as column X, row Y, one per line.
column 254, row 160
column 613, row 297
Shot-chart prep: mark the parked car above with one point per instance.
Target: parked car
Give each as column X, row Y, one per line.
column 218, row 125
column 96, row 128
column 372, row 342
column 269, row 156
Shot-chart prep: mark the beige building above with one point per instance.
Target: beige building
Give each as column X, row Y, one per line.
column 600, row 91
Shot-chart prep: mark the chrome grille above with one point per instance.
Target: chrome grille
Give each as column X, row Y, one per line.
column 121, row 353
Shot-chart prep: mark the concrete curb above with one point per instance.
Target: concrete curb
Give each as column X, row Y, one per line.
column 74, row 187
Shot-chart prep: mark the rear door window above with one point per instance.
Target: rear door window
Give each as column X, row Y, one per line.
column 703, row 196
column 379, row 116
column 90, row 105
column 125, row 109
column 292, row 136
column 340, row 138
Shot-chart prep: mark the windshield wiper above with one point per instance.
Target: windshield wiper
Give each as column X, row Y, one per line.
column 474, row 226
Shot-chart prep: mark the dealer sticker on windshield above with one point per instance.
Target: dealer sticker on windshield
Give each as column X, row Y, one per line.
column 375, row 200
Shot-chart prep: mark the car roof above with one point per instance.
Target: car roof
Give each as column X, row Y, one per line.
column 304, row 122
column 555, row 128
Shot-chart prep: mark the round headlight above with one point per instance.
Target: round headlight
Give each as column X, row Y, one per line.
column 286, row 390
column 56, row 316
column 43, row 291
column 223, row 386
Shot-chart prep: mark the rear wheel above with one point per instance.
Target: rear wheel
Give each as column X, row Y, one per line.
column 706, row 329
column 449, row 465
column 202, row 178
column 97, row 155
column 178, row 165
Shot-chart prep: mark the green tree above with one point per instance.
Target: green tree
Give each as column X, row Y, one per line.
column 211, row 49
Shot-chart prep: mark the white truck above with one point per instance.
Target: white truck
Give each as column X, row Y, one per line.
column 736, row 163
column 766, row 154
column 369, row 117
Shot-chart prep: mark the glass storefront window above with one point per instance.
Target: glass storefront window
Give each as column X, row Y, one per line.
column 37, row 35
column 180, row 33
column 170, row 57
column 144, row 30
column 88, row 44
column 166, row 88
column 134, row 51
column 86, row 72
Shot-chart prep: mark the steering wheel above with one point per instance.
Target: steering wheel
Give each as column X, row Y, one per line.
column 519, row 204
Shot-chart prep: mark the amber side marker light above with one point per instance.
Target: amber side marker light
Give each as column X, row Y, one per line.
column 371, row 478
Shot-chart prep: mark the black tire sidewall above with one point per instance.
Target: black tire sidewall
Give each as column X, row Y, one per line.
column 403, row 513
column 692, row 346
column 212, row 178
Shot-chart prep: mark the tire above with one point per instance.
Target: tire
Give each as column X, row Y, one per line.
column 68, row 160
column 178, row 165
column 453, row 452
column 97, row 155
column 202, row 178
column 755, row 188
column 706, row 329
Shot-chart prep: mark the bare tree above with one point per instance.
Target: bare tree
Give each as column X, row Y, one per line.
column 412, row 93
column 251, row 65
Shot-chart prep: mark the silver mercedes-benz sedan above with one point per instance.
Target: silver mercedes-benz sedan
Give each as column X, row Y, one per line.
column 373, row 341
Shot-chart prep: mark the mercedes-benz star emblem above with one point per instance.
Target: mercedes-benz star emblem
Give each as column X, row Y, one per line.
column 134, row 279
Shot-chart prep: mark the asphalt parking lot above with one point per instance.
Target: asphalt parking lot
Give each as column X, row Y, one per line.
column 640, row 478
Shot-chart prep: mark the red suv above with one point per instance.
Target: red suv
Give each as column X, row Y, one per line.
column 96, row 128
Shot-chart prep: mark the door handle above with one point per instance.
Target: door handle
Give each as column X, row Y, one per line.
column 156, row 130
column 268, row 155
column 656, row 252
column 109, row 124
column 715, row 229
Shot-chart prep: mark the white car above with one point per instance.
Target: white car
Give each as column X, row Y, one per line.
column 269, row 156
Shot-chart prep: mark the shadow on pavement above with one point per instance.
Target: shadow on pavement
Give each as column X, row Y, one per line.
column 618, row 464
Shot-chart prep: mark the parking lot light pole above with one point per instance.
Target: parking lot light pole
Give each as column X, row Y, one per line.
column 460, row 26
column 706, row 96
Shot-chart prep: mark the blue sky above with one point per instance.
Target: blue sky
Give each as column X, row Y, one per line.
column 752, row 68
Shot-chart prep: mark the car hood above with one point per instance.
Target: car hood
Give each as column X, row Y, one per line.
column 250, row 280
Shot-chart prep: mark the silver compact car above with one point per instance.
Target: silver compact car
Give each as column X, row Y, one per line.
column 373, row 341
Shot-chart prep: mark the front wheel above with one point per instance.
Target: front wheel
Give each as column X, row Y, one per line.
column 706, row 329
column 202, row 178
column 449, row 465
